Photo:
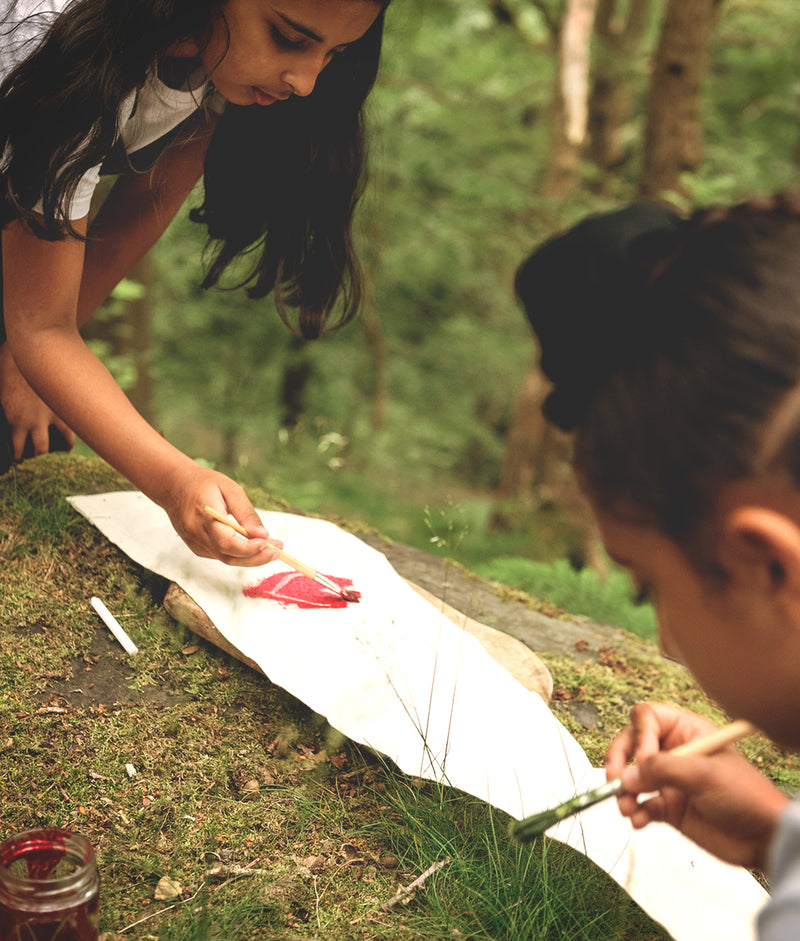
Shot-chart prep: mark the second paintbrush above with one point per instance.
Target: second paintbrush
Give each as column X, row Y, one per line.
column 528, row 829
column 348, row 594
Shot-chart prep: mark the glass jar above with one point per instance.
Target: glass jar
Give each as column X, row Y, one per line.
column 49, row 887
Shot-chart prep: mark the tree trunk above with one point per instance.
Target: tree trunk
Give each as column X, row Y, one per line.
column 376, row 390
column 523, row 456
column 296, row 373
column 371, row 383
column 570, row 100
column 537, row 469
column 674, row 134
column 125, row 327
column 615, row 69
column 139, row 315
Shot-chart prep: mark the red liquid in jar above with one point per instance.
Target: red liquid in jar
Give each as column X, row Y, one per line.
column 49, row 887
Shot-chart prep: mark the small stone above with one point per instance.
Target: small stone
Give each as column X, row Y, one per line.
column 586, row 713
column 168, row 889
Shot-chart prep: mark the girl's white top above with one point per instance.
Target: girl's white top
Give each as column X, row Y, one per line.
column 144, row 116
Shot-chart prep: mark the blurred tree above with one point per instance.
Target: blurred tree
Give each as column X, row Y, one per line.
column 533, row 469
column 573, row 35
column 121, row 332
column 620, row 29
column 525, row 453
column 673, row 143
column 297, row 367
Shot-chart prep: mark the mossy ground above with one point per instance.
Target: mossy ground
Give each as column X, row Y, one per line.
column 183, row 763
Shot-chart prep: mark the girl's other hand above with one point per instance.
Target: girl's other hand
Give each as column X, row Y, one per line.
column 199, row 487
column 25, row 412
column 720, row 801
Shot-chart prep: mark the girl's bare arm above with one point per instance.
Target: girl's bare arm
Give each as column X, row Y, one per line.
column 48, row 287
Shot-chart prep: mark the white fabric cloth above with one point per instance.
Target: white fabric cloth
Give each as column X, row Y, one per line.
column 394, row 674
column 145, row 116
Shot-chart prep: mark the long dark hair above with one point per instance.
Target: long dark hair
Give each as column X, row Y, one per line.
column 281, row 183
column 674, row 347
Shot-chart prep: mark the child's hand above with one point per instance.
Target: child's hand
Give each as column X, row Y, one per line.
column 25, row 412
column 720, row 801
column 198, row 487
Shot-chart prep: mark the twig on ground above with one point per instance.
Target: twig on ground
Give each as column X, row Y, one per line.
column 161, row 911
column 220, row 870
column 405, row 891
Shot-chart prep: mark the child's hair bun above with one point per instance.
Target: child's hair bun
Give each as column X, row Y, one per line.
column 590, row 283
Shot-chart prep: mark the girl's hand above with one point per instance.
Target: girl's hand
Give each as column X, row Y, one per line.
column 720, row 801
column 197, row 487
column 25, row 412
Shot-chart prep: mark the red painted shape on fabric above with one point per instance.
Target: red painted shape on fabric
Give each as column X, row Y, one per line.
column 291, row 589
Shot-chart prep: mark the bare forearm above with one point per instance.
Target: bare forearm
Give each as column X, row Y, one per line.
column 65, row 372
column 67, row 375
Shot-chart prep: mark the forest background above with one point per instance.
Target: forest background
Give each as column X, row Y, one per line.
column 494, row 124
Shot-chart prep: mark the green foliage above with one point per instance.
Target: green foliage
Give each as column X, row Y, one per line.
column 609, row 600
column 751, row 103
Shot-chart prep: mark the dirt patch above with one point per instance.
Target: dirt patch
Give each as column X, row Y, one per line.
column 103, row 677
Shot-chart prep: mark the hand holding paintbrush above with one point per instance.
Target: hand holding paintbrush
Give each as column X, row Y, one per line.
column 531, row 827
column 348, row 594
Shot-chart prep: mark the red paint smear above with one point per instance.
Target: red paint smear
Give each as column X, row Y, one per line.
column 291, row 589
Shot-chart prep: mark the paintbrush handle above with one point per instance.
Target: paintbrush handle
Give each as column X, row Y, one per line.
column 301, row 567
column 304, row 569
column 290, row 560
column 283, row 556
column 225, row 520
column 716, row 740
column 315, row 575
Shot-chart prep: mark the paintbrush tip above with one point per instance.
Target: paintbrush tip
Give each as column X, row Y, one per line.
column 350, row 595
column 524, row 831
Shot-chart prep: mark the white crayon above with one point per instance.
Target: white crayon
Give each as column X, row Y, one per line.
column 114, row 626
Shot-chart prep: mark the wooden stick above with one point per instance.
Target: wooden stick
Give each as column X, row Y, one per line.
column 346, row 593
column 226, row 520
column 716, row 740
column 403, row 892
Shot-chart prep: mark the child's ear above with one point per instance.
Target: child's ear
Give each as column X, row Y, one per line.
column 764, row 544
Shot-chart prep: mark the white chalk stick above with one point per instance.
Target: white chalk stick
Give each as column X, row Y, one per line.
column 114, row 626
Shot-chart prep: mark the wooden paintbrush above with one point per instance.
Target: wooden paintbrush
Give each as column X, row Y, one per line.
column 528, row 829
column 347, row 593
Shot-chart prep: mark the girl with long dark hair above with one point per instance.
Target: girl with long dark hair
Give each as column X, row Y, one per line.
column 264, row 99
